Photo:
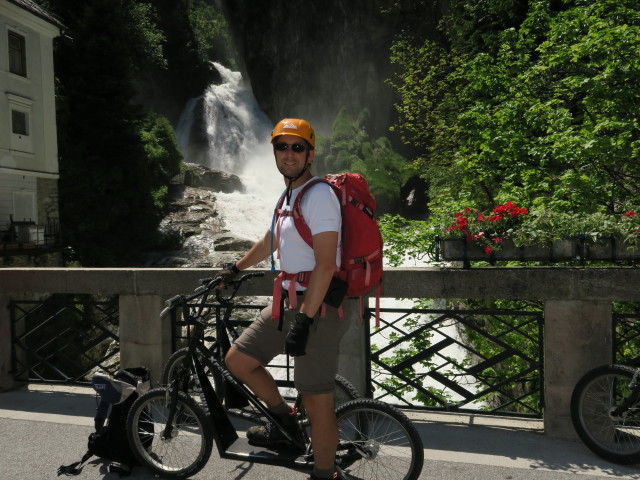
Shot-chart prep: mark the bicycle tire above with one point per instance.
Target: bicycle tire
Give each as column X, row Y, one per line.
column 377, row 442
column 175, row 362
column 615, row 438
column 189, row 448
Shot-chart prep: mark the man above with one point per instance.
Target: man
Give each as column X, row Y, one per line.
column 311, row 332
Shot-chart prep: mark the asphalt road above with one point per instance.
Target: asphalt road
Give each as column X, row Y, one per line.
column 43, row 427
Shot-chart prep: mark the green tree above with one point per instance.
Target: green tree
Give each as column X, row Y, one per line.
column 211, row 33
column 108, row 183
column 538, row 107
column 351, row 149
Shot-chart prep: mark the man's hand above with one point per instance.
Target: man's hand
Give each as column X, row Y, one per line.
column 228, row 273
column 296, row 343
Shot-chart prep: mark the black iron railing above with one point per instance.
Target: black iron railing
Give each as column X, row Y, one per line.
column 460, row 360
column 452, row 360
column 27, row 235
column 64, row 338
column 626, row 338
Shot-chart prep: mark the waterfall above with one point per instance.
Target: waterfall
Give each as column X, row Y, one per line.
column 225, row 129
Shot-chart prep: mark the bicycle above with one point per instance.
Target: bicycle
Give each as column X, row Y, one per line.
column 225, row 334
column 605, row 411
column 173, row 435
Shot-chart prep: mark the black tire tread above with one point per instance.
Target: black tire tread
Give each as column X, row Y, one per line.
column 205, row 423
column 577, row 415
column 417, row 447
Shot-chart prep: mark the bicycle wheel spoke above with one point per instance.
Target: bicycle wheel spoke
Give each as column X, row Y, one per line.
column 188, row 445
column 377, row 441
column 601, row 416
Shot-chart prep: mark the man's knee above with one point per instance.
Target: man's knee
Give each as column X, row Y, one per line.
column 240, row 364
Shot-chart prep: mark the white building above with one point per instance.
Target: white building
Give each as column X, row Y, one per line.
column 28, row 144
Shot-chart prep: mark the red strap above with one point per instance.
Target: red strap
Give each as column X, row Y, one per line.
column 277, row 297
column 302, row 278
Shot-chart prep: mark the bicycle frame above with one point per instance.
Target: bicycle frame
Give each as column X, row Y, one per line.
column 631, row 400
column 228, row 442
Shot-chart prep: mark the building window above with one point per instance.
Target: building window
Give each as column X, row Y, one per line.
column 19, row 122
column 17, row 54
column 20, row 116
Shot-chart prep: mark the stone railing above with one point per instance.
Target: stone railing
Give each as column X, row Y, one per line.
column 577, row 312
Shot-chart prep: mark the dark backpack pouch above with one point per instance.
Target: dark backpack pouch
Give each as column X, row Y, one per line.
column 109, row 441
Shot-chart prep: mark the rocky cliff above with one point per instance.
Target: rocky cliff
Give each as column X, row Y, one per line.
column 309, row 59
column 200, row 236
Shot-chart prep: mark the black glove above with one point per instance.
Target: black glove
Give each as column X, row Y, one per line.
column 297, row 337
column 228, row 273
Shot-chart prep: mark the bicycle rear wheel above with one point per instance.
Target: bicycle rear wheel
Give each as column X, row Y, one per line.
column 613, row 435
column 377, row 442
column 189, row 447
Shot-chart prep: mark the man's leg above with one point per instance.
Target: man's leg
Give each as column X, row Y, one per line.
column 250, row 372
column 324, row 428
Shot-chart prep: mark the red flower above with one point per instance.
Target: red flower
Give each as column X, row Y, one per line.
column 487, row 250
column 630, row 213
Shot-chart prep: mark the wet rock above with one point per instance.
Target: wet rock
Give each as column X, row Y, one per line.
column 199, row 176
column 198, row 233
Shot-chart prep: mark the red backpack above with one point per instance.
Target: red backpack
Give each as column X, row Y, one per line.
column 361, row 265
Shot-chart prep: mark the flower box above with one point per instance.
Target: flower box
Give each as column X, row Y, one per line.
column 459, row 249
column 610, row 249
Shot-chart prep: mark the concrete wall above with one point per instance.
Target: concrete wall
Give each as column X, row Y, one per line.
column 577, row 308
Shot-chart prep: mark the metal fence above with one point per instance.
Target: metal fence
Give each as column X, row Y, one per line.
column 64, row 338
column 465, row 360
column 626, row 338
column 460, row 360
column 455, row 360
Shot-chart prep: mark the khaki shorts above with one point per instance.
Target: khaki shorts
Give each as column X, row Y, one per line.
column 315, row 372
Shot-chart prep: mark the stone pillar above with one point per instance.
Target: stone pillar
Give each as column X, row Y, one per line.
column 6, row 374
column 577, row 338
column 145, row 338
column 352, row 356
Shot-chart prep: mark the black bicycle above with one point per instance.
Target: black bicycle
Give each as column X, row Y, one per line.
column 173, row 434
column 218, row 344
column 605, row 410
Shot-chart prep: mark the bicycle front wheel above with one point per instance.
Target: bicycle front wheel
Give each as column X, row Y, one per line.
column 189, row 445
column 377, row 442
column 608, row 430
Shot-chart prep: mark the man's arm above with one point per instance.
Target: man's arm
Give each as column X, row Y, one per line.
column 325, row 246
column 258, row 252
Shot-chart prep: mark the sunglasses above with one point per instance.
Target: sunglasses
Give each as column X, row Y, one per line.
column 296, row 147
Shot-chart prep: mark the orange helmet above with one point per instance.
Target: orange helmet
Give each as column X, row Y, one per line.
column 295, row 126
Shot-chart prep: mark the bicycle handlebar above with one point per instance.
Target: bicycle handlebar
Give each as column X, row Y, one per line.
column 206, row 285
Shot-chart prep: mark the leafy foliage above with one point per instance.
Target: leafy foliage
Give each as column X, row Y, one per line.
column 114, row 162
column 537, row 106
column 351, row 149
column 533, row 102
column 211, row 33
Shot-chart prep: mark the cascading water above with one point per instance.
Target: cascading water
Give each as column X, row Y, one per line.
column 232, row 134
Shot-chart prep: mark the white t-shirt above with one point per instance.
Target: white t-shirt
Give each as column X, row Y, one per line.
column 321, row 211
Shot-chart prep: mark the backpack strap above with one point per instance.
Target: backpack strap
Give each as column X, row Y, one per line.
column 74, row 468
column 303, row 229
column 302, row 278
